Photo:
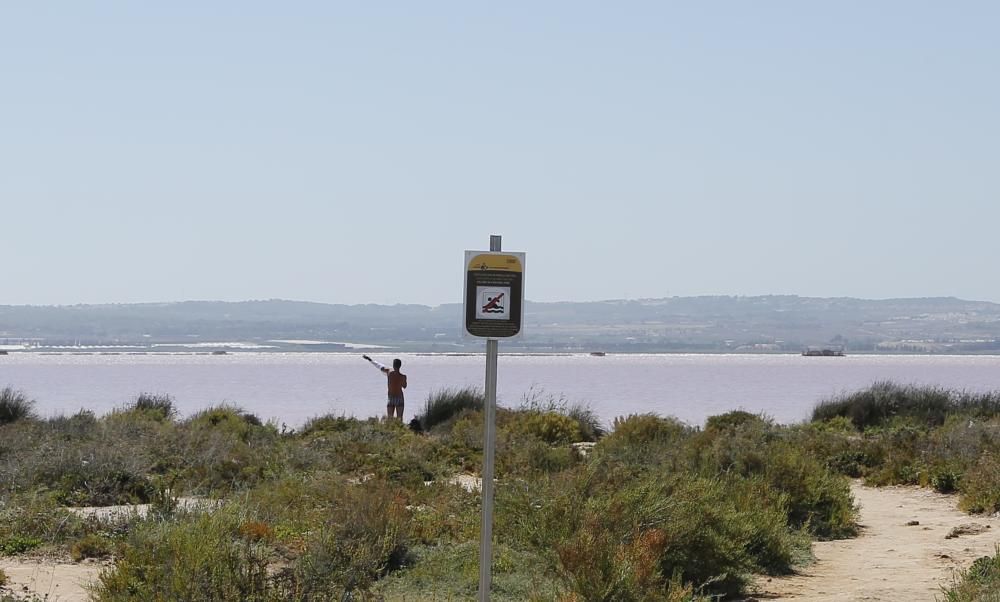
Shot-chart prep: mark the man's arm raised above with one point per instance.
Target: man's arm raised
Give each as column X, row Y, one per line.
column 376, row 364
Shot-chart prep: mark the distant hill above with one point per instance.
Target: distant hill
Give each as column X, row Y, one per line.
column 699, row 324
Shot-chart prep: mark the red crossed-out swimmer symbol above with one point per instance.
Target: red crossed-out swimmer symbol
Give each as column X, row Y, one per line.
column 494, row 302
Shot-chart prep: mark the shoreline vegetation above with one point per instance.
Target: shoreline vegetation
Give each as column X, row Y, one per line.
column 646, row 508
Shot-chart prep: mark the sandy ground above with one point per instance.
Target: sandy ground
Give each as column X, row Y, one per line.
column 53, row 581
column 468, row 482
column 125, row 512
column 61, row 580
column 892, row 560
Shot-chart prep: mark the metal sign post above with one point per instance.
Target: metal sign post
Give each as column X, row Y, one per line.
column 489, row 452
column 494, row 297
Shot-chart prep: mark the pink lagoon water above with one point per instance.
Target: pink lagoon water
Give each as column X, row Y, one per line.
column 291, row 388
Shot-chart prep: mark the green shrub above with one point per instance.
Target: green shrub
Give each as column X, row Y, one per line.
column 587, row 421
column 85, row 461
column 329, row 423
column 99, row 484
column 35, row 519
column 199, row 557
column 738, row 443
column 588, row 425
column 552, row 428
column 898, row 456
column 91, row 546
column 81, row 425
column 840, row 425
column 979, row 405
column 452, row 573
column 466, row 433
column 631, row 538
column 925, row 406
column 295, row 503
column 875, row 405
column 945, row 480
column 632, row 543
column 411, row 461
column 535, row 513
column 444, row 513
column 594, row 565
column 980, row 487
column 444, row 405
column 109, row 465
column 343, row 535
column 524, row 454
column 386, row 449
column 15, row 405
column 18, row 544
column 647, row 428
column 363, row 538
column 227, row 419
column 736, row 420
column 223, row 449
column 3, row 578
column 158, row 407
column 850, row 463
column 817, row 500
column 979, row 583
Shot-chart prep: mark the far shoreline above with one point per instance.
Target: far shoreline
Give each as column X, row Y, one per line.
column 96, row 350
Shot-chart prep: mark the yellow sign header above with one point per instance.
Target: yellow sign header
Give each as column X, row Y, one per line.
column 496, row 261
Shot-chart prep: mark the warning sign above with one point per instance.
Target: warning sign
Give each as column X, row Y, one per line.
column 494, row 294
column 493, row 302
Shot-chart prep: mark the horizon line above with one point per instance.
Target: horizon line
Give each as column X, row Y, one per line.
column 564, row 301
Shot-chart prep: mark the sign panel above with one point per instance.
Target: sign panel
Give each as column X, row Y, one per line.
column 494, row 294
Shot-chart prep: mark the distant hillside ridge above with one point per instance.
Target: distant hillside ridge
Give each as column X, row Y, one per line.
column 771, row 323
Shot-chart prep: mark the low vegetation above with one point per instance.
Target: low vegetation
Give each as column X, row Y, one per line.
column 346, row 508
column 885, row 403
column 445, row 405
column 14, row 406
column 979, row 583
column 906, row 435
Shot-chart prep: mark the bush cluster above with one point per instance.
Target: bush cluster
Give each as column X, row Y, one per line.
column 445, row 405
column 979, row 583
column 158, row 407
column 885, row 401
column 122, row 458
column 15, row 405
column 907, row 435
column 347, row 508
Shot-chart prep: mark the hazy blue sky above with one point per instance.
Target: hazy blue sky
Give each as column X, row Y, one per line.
column 350, row 152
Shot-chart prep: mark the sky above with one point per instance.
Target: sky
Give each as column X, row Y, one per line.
column 351, row 152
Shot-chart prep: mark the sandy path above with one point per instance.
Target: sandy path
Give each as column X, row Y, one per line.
column 64, row 581
column 50, row 580
column 889, row 560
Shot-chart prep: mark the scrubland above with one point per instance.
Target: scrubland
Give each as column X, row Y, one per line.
column 353, row 509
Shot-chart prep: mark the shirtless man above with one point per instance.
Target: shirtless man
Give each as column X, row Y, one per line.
column 397, row 382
